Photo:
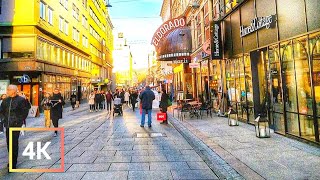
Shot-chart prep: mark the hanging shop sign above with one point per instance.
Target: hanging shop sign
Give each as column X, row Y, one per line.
column 216, row 47
column 166, row 28
column 258, row 23
column 24, row 79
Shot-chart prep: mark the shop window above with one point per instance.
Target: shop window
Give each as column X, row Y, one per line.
column 289, row 76
column 249, row 88
column 303, row 77
column 18, row 55
column 314, row 44
column 293, row 123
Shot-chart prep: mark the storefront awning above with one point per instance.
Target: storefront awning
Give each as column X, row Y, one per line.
column 176, row 45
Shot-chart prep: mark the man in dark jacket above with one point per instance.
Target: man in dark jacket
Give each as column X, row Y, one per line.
column 133, row 99
column 73, row 100
column 14, row 111
column 56, row 109
column 147, row 96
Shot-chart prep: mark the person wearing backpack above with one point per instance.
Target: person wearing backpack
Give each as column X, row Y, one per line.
column 165, row 102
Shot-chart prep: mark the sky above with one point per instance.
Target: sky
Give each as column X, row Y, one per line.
column 138, row 20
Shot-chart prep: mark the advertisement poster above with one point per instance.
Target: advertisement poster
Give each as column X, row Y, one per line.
column 3, row 86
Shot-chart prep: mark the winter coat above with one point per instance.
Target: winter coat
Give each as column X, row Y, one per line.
column 56, row 109
column 164, row 101
column 46, row 103
column 98, row 98
column 73, row 99
column 109, row 97
column 147, row 96
column 133, row 98
column 91, row 99
column 126, row 96
column 14, row 111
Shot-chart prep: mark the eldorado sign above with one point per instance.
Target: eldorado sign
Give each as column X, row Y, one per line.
column 166, row 28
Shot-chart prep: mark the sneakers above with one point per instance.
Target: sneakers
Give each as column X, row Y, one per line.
column 141, row 125
column 1, row 132
column 55, row 135
column 150, row 126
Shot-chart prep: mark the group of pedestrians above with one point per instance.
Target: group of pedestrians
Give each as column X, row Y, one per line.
column 99, row 100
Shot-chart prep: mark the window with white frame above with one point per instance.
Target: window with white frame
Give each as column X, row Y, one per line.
column 50, row 15
column 85, row 41
column 42, row 10
column 61, row 22
column 75, row 12
column 66, row 27
column 84, row 22
column 75, row 34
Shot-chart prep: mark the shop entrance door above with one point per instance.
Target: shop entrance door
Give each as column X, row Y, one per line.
column 258, row 69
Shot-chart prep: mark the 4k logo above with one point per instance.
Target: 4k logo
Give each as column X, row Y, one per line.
column 38, row 150
column 28, row 151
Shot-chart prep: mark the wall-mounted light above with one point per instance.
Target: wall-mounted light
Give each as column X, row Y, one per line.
column 195, row 5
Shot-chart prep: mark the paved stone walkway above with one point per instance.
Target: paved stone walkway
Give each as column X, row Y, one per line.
column 98, row 146
column 277, row 157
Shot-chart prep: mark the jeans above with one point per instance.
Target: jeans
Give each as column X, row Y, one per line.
column 109, row 105
column 15, row 146
column 143, row 118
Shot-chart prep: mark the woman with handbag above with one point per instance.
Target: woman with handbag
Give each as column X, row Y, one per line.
column 164, row 104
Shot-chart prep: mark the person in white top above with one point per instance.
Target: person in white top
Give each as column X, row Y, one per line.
column 91, row 101
column 126, row 97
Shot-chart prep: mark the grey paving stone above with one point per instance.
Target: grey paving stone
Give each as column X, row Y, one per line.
column 110, row 175
column 111, row 159
column 98, row 153
column 129, row 167
column 164, row 166
column 61, row 176
column 184, row 157
column 119, row 148
column 89, row 167
column 132, row 153
column 193, row 174
column 142, row 147
column 133, row 175
column 148, row 158
column 198, row 165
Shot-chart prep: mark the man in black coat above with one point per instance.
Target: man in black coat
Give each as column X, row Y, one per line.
column 147, row 96
column 14, row 111
column 73, row 100
column 56, row 109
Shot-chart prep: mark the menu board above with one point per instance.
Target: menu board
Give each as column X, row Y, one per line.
column 3, row 86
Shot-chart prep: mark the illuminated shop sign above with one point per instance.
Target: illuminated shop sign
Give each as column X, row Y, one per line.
column 166, row 28
column 258, row 23
column 216, row 46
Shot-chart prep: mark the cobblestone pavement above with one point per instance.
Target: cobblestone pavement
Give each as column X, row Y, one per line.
column 98, row 146
column 238, row 148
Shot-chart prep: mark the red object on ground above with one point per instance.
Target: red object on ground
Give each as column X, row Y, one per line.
column 161, row 116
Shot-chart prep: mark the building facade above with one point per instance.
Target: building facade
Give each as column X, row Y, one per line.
column 51, row 44
column 264, row 58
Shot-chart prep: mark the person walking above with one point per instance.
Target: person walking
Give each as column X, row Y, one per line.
column 97, row 100
column 91, row 101
column 46, row 104
column 109, row 99
column 133, row 99
column 14, row 111
column 73, row 100
column 3, row 96
column 103, row 100
column 147, row 96
column 56, row 109
column 126, row 97
column 164, row 105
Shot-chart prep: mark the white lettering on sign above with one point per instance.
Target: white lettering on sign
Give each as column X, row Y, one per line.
column 258, row 23
column 166, row 28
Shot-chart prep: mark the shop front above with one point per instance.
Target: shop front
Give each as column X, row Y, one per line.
column 272, row 65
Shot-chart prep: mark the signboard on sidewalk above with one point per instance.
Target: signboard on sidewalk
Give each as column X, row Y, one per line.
column 3, row 86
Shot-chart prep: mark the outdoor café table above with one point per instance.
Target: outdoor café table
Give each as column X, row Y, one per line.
column 195, row 109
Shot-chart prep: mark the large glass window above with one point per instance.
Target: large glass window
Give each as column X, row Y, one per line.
column 249, row 89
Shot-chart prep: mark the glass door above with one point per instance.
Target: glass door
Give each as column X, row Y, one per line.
column 275, row 90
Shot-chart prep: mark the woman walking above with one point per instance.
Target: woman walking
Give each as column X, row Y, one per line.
column 126, row 98
column 3, row 96
column 164, row 105
column 46, row 104
column 133, row 99
column 56, row 109
column 91, row 101
column 109, row 99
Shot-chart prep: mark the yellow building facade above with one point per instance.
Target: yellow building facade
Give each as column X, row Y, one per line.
column 47, row 44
